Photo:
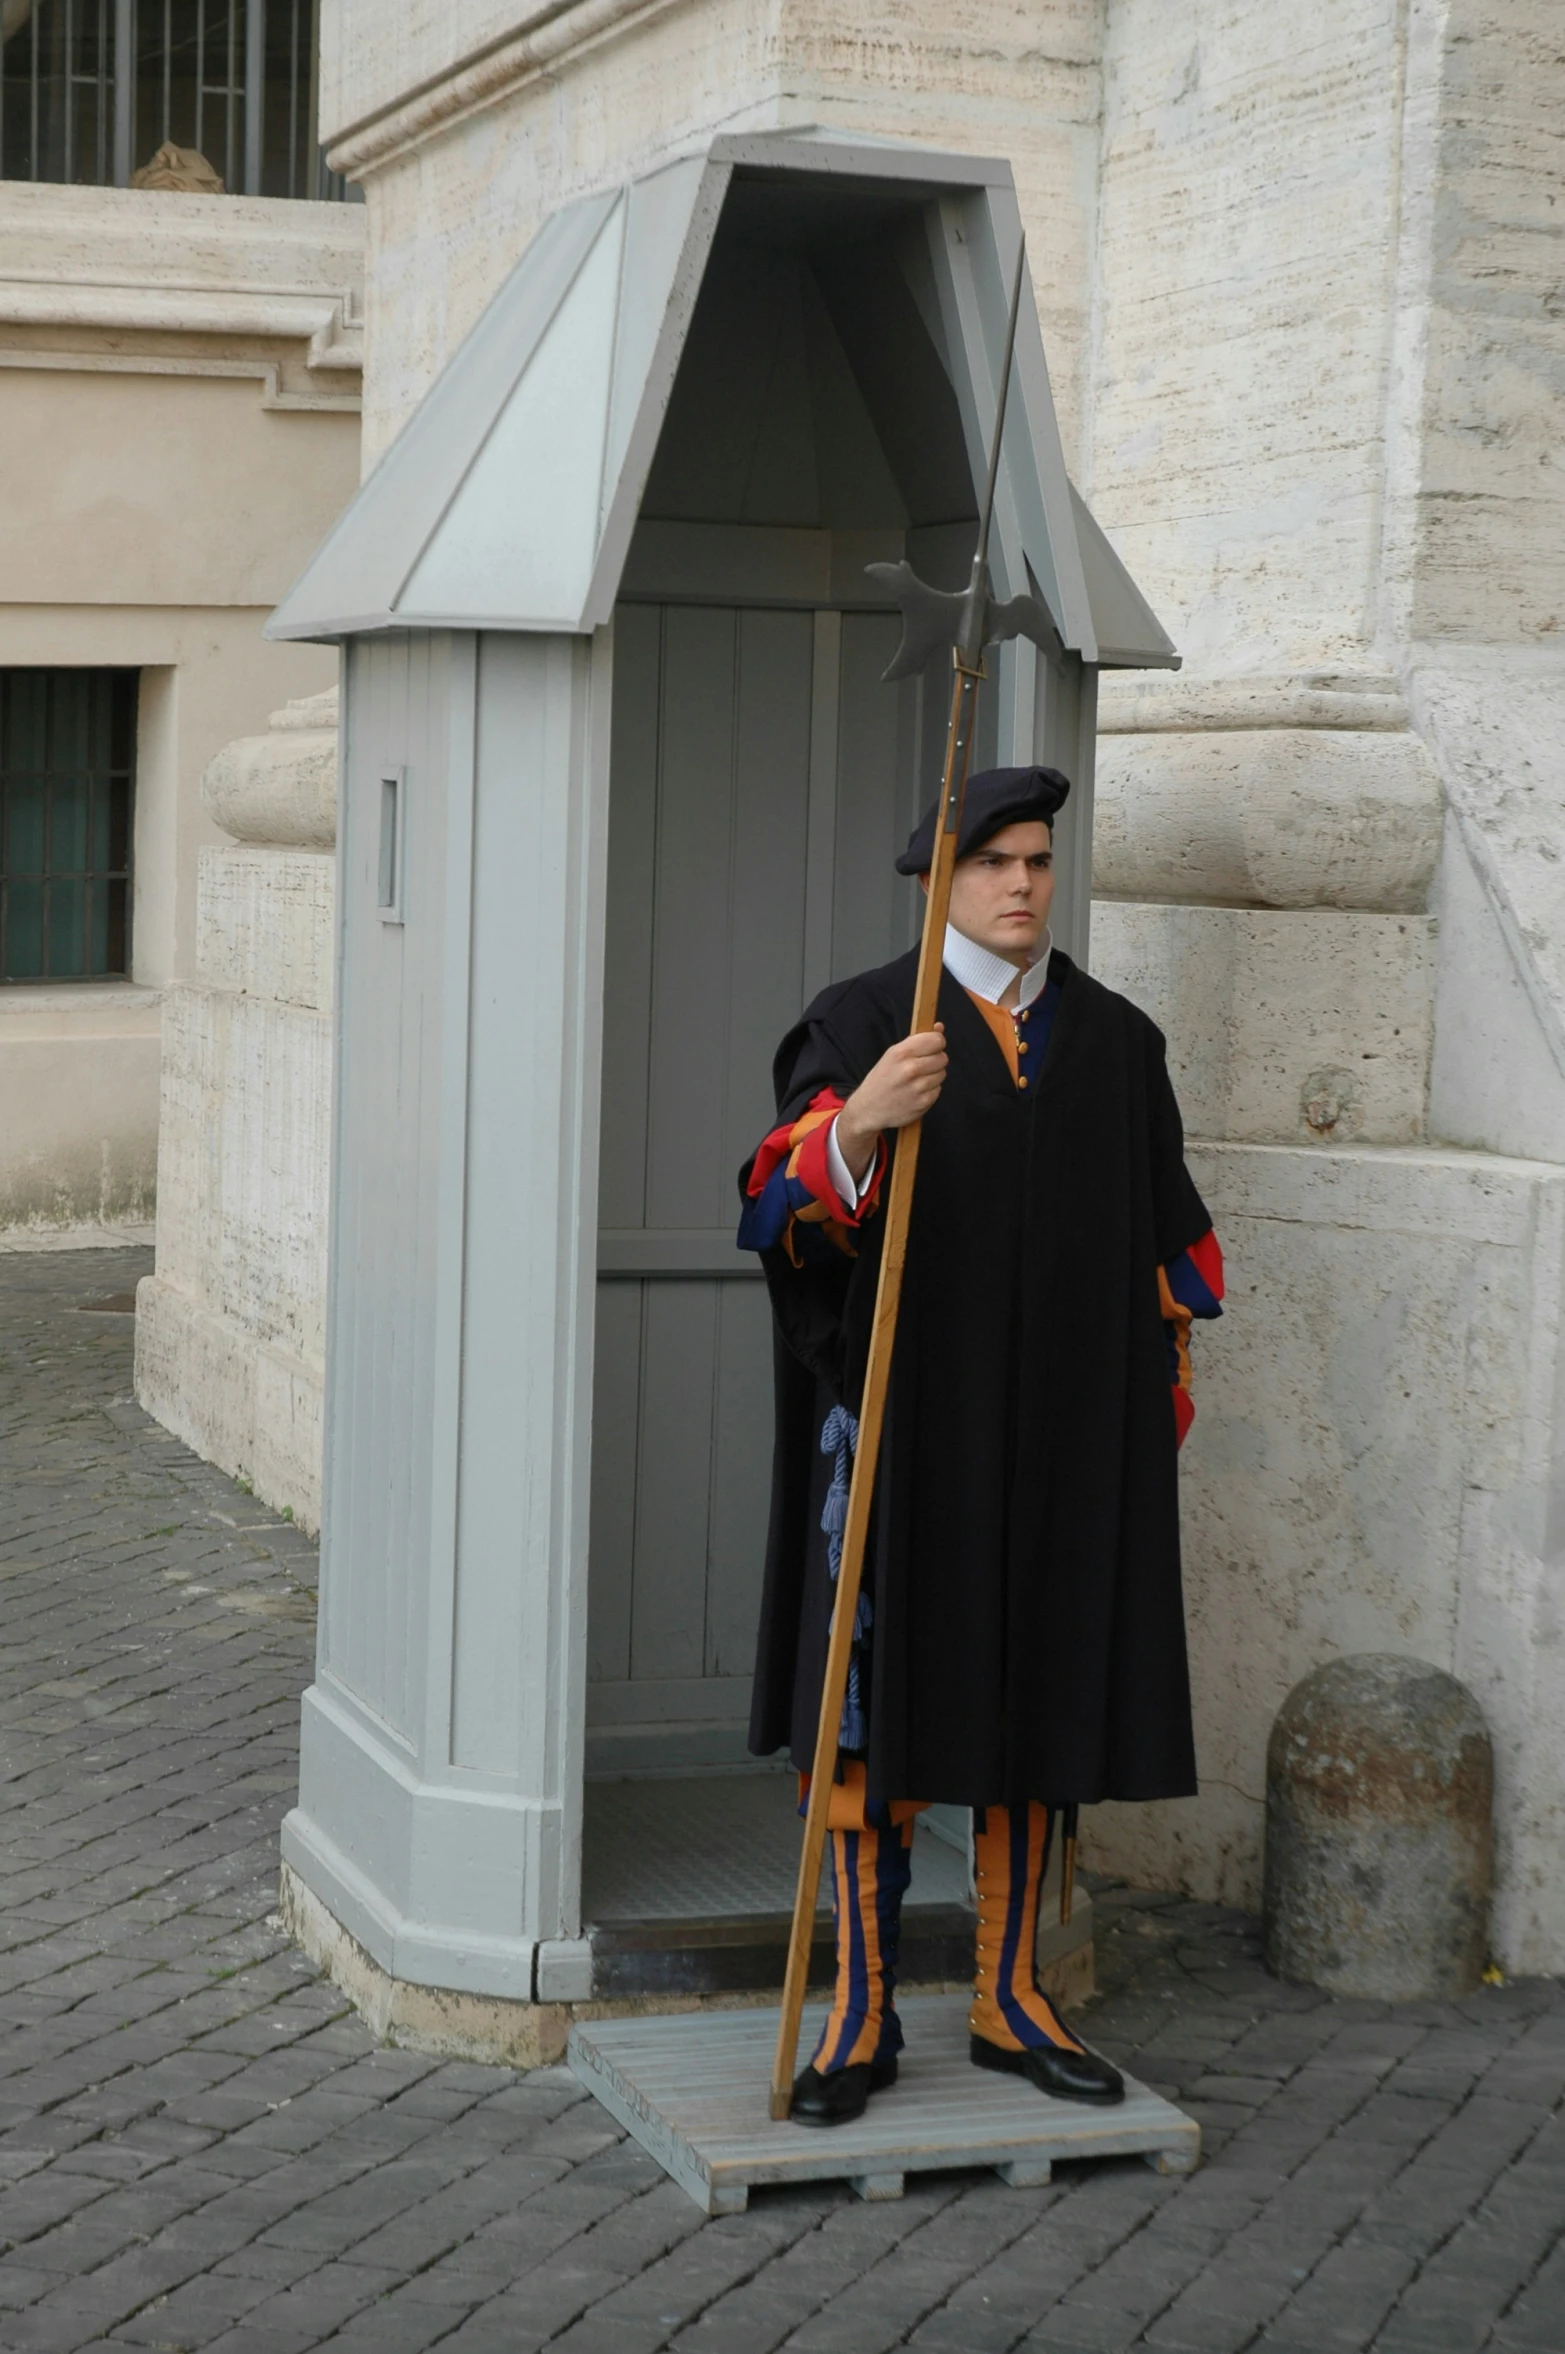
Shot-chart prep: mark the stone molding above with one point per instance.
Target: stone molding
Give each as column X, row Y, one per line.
column 138, row 282
column 280, row 789
column 1131, row 703
column 550, row 37
column 1263, row 815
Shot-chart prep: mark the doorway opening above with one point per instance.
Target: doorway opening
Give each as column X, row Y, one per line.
column 763, row 779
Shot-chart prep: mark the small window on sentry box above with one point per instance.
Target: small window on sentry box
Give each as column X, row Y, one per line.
column 67, row 760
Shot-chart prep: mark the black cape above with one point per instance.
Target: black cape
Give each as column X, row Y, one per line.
column 1028, row 1636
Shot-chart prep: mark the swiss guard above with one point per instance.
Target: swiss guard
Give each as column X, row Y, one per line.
column 1020, row 1642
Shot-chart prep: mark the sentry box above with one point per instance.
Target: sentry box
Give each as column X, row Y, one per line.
column 621, row 790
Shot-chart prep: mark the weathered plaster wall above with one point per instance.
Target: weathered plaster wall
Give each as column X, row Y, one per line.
column 79, row 1086
column 79, row 1066
column 178, row 426
column 115, row 486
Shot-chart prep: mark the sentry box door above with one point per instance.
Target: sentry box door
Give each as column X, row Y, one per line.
column 762, row 779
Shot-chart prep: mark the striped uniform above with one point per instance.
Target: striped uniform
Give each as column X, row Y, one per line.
column 793, row 1203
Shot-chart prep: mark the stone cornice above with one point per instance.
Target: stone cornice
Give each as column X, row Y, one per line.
column 1132, row 704
column 133, row 281
column 549, row 37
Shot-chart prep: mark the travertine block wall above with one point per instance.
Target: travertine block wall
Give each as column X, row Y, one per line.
column 1325, row 371
column 230, row 1331
column 1373, row 1450
column 1297, row 1027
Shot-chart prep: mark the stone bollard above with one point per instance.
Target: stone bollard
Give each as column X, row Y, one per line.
column 1379, row 1784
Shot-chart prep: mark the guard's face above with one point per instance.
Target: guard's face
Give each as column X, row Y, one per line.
column 1001, row 894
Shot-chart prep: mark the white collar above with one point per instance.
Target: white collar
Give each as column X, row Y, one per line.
column 989, row 976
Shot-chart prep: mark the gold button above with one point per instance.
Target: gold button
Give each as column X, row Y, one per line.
column 1021, row 1082
column 1021, row 1046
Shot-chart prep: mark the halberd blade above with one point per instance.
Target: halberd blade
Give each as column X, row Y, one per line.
column 1019, row 617
column 931, row 618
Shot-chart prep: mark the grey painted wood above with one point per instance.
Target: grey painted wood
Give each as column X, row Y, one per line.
column 741, row 1478
column 615, row 1397
column 768, row 875
column 356, row 576
column 673, row 1479
column 826, row 153
column 763, row 777
column 628, row 920
column 673, row 561
column 820, row 887
column 879, row 795
column 673, row 217
column 1045, row 502
column 377, row 1465
column 1128, row 632
column 440, row 1777
column 693, row 2092
column 692, row 877
column 673, row 1253
column 662, row 267
column 674, row 1700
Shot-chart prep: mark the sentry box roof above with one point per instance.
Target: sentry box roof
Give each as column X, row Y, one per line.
column 787, row 329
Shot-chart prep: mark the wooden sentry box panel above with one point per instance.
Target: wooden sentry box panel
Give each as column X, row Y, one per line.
column 693, row 2092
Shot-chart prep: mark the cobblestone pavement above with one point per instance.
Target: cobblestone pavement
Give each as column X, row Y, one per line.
column 201, row 2147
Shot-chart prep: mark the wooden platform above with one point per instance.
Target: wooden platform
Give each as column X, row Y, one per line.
column 693, row 2091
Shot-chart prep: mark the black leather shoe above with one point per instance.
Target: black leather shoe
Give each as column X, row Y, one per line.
column 1063, row 2075
column 837, row 2098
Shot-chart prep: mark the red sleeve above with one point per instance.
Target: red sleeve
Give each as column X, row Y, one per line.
column 1190, row 1286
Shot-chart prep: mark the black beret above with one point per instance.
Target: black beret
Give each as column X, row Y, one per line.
column 995, row 798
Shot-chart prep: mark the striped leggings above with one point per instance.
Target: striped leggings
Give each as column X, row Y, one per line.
column 871, row 1866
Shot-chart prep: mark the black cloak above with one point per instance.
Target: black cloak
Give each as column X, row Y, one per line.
column 1028, row 1633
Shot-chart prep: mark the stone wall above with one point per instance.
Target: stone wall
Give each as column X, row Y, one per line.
column 230, row 1331
column 1375, row 1442
column 1327, row 370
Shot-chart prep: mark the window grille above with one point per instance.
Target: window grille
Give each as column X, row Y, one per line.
column 91, row 89
column 67, row 761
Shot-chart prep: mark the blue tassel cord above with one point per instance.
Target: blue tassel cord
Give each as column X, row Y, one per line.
column 839, row 1439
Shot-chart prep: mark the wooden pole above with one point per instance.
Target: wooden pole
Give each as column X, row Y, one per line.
column 1069, row 1818
column 872, row 1410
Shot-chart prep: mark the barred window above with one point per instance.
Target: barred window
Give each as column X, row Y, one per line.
column 67, row 778
column 94, row 91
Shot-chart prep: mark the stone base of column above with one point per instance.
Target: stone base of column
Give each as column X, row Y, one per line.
column 503, row 2032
